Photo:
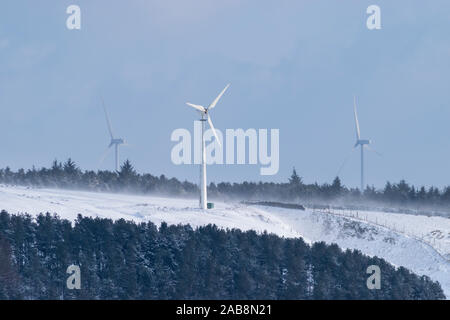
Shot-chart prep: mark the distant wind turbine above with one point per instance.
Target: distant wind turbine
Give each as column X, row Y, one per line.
column 205, row 117
column 360, row 142
column 116, row 142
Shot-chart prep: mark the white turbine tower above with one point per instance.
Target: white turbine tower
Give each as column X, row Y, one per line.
column 360, row 142
column 205, row 117
column 116, row 142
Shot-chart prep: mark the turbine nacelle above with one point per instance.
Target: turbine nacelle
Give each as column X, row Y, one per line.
column 362, row 142
column 205, row 112
column 117, row 142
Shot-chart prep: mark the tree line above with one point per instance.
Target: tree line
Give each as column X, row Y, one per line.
column 124, row 260
column 69, row 175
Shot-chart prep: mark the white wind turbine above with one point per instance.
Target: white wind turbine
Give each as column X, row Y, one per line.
column 360, row 142
column 205, row 117
column 116, row 142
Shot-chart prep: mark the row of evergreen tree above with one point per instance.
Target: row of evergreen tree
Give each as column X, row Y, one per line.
column 69, row 175
column 125, row 260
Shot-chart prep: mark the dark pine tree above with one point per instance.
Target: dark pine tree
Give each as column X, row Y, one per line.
column 295, row 179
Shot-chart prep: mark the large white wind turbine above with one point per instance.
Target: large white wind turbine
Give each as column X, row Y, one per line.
column 360, row 142
column 205, row 117
column 116, row 142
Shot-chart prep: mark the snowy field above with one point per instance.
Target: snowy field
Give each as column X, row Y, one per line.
column 419, row 243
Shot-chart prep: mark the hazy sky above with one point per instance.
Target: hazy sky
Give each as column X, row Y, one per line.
column 292, row 65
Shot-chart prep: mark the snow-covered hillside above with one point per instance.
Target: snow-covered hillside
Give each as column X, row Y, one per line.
column 419, row 243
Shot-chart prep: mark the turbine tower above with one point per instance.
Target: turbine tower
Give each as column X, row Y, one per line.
column 204, row 112
column 116, row 142
column 360, row 142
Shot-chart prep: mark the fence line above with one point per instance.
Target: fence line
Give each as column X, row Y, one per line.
column 360, row 217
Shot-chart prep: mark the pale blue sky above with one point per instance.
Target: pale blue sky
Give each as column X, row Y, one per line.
column 292, row 65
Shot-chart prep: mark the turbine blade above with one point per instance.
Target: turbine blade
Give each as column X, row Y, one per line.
column 196, row 106
column 214, row 131
column 344, row 162
column 358, row 135
column 105, row 154
column 213, row 104
column 373, row 150
column 107, row 120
